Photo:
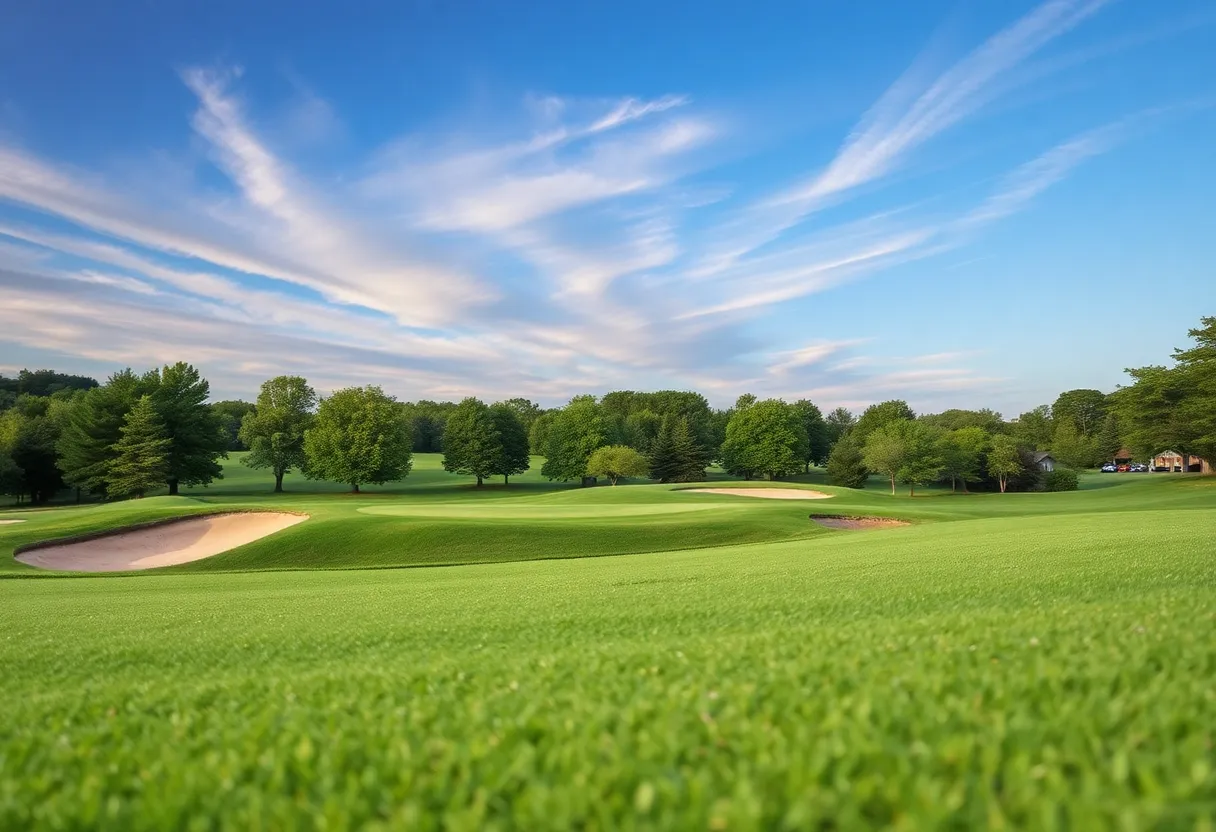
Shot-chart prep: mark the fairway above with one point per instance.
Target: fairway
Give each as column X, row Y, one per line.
column 1033, row 660
column 531, row 511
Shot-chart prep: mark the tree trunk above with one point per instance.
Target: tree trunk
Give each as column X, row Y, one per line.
column 892, row 485
column 953, row 485
column 172, row 488
column 479, row 480
column 1002, row 479
column 278, row 482
column 354, row 488
column 911, row 489
column 506, row 479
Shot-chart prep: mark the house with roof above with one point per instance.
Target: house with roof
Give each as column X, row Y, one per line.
column 1174, row 461
column 1044, row 461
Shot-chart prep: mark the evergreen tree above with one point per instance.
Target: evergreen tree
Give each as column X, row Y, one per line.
column 92, row 430
column 359, row 436
column 141, row 460
column 196, row 433
column 274, row 428
column 514, row 455
column 471, row 442
column 664, row 466
column 675, row 455
column 845, row 464
column 689, row 459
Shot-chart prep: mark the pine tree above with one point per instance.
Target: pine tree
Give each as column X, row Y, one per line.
column 675, row 455
column 664, row 466
column 93, row 428
column 689, row 461
column 141, row 459
column 196, row 433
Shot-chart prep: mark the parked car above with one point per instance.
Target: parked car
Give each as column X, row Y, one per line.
column 1109, row 468
column 1139, row 468
column 1123, row 469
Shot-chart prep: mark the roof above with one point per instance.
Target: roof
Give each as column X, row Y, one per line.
column 1039, row 456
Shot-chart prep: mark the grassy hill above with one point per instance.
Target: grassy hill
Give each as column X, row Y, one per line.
column 1027, row 660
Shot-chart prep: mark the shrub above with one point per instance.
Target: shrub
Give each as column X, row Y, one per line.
column 1061, row 479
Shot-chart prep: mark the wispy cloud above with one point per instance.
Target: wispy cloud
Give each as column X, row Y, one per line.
column 913, row 110
column 578, row 248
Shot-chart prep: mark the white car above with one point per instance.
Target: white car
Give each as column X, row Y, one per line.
column 1110, row 468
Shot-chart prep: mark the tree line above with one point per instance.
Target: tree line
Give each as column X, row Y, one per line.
column 139, row 432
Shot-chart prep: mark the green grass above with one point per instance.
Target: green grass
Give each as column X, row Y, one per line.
column 1029, row 660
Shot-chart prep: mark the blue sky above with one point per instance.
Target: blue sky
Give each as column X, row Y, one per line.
column 960, row 204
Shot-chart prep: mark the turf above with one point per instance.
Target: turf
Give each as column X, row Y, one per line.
column 1037, row 661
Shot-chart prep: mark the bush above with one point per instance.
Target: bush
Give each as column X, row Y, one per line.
column 1061, row 479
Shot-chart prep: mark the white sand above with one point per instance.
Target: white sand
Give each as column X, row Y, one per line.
column 767, row 493
column 164, row 545
column 10, row 522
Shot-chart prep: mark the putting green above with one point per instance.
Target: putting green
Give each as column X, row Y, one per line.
column 533, row 512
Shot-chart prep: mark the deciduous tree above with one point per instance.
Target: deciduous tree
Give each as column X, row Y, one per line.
column 274, row 429
column 877, row 415
column 962, row 453
column 514, row 455
column 359, row 436
column 846, row 465
column 816, row 428
column 767, row 437
column 573, row 435
column 472, row 445
column 231, row 414
column 1004, row 461
column 616, row 461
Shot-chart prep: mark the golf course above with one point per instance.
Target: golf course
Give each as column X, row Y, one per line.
column 429, row 654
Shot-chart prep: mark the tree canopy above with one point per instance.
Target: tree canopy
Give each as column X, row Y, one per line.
column 878, row 415
column 573, row 435
column 617, row 461
column 472, row 445
column 360, row 436
column 768, row 437
column 274, row 429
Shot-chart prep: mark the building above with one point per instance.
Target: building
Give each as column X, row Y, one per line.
column 1044, row 461
column 1174, row 461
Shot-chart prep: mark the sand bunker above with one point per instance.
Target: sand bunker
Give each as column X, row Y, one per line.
column 9, row 522
column 164, row 544
column 767, row 493
column 856, row 523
